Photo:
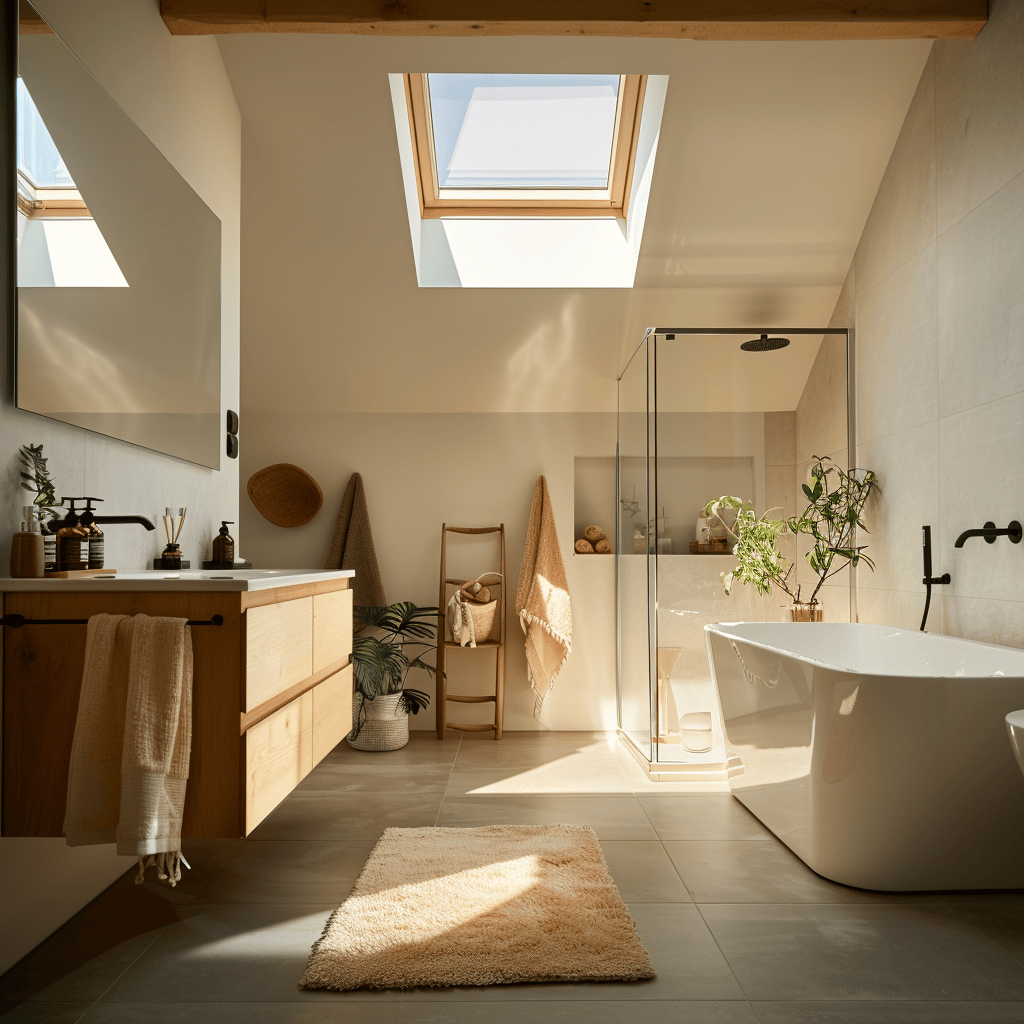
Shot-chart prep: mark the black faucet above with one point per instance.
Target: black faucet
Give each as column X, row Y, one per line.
column 929, row 580
column 88, row 517
column 989, row 532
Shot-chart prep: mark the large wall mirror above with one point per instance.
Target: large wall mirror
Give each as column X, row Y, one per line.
column 118, row 266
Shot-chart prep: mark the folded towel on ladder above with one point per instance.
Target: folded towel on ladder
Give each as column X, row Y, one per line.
column 133, row 737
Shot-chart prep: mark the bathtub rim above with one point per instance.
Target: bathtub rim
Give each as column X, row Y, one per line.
column 722, row 629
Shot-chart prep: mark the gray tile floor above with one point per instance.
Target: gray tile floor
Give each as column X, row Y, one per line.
column 740, row 931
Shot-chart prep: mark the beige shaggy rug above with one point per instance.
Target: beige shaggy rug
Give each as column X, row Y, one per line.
column 480, row 906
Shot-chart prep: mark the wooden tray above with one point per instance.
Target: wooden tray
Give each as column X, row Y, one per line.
column 712, row 547
column 79, row 574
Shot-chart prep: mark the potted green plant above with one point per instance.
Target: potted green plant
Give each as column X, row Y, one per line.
column 35, row 478
column 381, row 662
column 836, row 500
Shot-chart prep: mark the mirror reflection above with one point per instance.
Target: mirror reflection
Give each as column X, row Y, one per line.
column 118, row 267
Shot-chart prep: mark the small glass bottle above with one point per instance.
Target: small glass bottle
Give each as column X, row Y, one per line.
column 224, row 547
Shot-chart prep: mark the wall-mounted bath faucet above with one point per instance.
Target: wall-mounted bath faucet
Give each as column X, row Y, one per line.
column 929, row 581
column 1014, row 531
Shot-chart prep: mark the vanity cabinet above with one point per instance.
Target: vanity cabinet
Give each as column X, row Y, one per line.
column 271, row 697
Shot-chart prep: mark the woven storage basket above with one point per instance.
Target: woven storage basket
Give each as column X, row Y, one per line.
column 485, row 619
column 385, row 727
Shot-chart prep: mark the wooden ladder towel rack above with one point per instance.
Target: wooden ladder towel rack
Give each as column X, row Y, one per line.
column 445, row 644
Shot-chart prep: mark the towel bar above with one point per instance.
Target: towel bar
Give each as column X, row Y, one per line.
column 16, row 621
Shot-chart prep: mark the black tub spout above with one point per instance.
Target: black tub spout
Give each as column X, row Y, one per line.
column 1014, row 531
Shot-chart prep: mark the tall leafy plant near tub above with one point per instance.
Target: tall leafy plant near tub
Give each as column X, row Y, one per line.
column 832, row 517
column 836, row 501
column 392, row 640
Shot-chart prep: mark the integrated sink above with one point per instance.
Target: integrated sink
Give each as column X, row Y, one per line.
column 185, row 579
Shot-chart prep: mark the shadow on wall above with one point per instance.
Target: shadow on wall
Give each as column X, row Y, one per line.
column 465, row 469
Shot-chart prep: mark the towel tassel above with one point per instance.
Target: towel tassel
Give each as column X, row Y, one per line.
column 168, row 867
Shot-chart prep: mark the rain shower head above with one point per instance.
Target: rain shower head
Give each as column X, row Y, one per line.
column 764, row 344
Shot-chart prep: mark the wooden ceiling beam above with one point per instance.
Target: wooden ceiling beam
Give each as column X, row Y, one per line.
column 671, row 19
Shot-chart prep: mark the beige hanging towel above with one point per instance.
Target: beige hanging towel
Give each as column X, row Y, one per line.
column 133, row 738
column 352, row 547
column 542, row 601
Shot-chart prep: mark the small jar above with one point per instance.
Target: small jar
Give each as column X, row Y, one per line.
column 170, row 558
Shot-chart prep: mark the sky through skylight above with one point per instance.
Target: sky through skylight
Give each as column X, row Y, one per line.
column 523, row 131
column 38, row 158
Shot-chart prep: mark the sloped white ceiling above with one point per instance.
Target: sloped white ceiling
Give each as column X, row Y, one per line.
column 768, row 162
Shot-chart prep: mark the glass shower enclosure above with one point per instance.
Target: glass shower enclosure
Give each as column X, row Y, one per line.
column 699, row 417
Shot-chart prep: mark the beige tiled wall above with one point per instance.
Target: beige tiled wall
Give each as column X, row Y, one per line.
column 936, row 298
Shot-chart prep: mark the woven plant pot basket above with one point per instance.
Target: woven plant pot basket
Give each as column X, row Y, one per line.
column 385, row 727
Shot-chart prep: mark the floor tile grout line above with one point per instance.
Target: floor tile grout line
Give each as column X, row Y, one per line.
column 675, row 868
column 142, row 952
column 721, row 951
column 451, row 772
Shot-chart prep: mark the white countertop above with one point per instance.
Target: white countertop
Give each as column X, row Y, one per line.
column 186, row 579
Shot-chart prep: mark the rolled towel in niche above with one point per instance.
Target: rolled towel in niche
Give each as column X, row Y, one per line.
column 584, row 547
column 594, row 534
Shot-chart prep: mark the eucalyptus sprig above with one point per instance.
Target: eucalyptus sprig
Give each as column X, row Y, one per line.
column 35, row 478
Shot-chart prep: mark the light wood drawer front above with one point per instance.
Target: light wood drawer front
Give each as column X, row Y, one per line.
column 332, row 628
column 332, row 712
column 278, row 756
column 279, row 649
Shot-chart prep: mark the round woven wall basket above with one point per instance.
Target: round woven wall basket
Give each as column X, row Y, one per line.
column 385, row 727
column 285, row 495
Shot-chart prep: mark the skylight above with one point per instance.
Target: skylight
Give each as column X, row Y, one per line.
column 38, row 158
column 515, row 144
column 523, row 131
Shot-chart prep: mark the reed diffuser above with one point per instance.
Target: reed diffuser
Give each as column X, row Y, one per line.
column 174, row 520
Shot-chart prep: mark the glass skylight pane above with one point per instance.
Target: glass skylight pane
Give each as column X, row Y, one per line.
column 523, row 131
column 38, row 158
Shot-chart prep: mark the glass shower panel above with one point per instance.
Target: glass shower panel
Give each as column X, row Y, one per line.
column 740, row 423
column 631, row 552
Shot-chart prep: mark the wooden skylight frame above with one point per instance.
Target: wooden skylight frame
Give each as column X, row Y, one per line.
column 436, row 202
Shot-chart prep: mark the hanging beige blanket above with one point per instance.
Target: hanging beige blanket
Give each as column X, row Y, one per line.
column 542, row 601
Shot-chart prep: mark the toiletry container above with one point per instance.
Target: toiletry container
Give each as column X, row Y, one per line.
column 50, row 551
column 69, row 541
column 224, row 547
column 94, row 539
column 27, row 551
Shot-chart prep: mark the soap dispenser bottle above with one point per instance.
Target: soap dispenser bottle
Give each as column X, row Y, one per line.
column 27, row 553
column 224, row 547
column 95, row 536
column 69, row 541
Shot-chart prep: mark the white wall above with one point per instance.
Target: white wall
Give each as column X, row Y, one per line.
column 936, row 297
column 466, row 469
column 176, row 90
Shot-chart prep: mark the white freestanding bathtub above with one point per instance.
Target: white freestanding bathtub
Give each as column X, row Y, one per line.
column 878, row 755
